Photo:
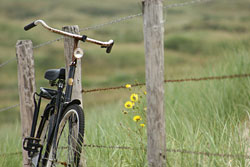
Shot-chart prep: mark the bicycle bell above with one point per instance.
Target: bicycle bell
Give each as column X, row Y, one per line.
column 78, row 53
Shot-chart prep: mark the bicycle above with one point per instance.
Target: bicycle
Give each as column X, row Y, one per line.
column 61, row 125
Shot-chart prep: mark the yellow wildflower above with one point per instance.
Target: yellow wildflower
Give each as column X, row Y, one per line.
column 145, row 92
column 128, row 104
column 137, row 118
column 134, row 97
column 128, row 86
column 142, row 125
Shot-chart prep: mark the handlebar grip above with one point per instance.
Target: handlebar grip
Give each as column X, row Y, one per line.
column 29, row 26
column 108, row 50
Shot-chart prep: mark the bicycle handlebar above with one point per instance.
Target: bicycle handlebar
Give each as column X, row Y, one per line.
column 108, row 45
column 29, row 26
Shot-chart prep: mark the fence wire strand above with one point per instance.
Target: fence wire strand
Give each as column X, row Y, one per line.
column 48, row 42
column 111, row 22
column 165, row 81
column 109, row 147
column 209, row 154
column 7, row 108
column 174, row 80
column 7, row 62
column 10, row 154
column 182, row 151
column 186, row 3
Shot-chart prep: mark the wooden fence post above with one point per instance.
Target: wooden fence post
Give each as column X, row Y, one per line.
column 26, row 86
column 154, row 58
column 77, row 84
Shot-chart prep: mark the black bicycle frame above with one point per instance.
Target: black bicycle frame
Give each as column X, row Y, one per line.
column 54, row 110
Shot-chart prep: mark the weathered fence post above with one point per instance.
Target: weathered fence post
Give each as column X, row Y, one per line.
column 77, row 84
column 154, row 55
column 26, row 86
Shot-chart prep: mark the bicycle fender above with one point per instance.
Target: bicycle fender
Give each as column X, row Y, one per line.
column 75, row 101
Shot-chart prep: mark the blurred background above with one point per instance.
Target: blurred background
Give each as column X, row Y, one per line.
column 200, row 39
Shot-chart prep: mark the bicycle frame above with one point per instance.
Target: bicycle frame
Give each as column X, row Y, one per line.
column 52, row 112
column 54, row 109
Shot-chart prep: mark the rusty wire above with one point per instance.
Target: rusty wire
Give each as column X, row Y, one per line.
column 109, row 147
column 165, row 81
column 10, row 154
column 209, row 154
column 185, row 3
column 173, row 80
column 182, row 151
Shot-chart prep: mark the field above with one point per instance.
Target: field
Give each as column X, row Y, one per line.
column 203, row 39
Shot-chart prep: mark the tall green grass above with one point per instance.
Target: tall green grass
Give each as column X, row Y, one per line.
column 210, row 116
column 10, row 138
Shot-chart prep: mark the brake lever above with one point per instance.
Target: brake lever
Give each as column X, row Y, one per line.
column 109, row 48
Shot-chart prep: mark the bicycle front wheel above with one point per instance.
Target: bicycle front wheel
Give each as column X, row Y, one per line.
column 70, row 137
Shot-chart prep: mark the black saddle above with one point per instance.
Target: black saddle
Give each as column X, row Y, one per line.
column 54, row 74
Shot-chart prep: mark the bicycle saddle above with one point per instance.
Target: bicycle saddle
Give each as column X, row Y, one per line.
column 54, row 74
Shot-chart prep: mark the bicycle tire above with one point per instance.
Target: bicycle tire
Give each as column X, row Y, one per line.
column 70, row 138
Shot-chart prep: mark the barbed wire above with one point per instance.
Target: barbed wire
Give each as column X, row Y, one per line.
column 10, row 154
column 182, row 151
column 48, row 42
column 7, row 108
column 118, row 20
column 186, row 3
column 209, row 154
column 109, row 147
column 165, row 81
column 7, row 62
column 173, row 80
column 111, row 22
